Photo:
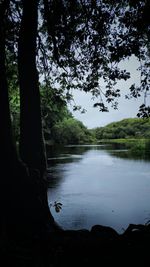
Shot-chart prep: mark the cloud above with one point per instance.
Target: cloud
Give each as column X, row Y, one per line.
column 126, row 108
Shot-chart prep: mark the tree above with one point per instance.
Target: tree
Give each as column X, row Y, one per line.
column 87, row 41
column 23, row 191
column 54, row 110
column 9, row 154
column 74, row 44
column 70, row 131
column 31, row 139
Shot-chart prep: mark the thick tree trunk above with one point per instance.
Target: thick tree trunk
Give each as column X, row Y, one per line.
column 8, row 150
column 24, row 210
column 10, row 164
column 32, row 150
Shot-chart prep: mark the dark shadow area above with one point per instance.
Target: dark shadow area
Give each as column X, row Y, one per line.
column 99, row 246
column 48, row 49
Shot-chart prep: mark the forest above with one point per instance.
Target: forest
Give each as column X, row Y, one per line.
column 126, row 128
column 60, row 127
column 51, row 48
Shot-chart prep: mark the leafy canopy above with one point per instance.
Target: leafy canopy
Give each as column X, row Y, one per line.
column 127, row 128
column 80, row 44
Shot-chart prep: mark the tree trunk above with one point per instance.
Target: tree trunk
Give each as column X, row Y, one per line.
column 23, row 200
column 32, row 149
column 8, row 150
column 10, row 163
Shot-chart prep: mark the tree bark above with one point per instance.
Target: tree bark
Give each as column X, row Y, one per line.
column 8, row 150
column 10, row 163
column 32, row 149
column 23, row 200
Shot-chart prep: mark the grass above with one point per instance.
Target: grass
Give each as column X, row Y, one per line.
column 136, row 146
column 123, row 140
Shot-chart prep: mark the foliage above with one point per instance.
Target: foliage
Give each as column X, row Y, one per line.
column 138, row 148
column 79, row 46
column 59, row 126
column 81, row 43
column 54, row 108
column 71, row 131
column 127, row 128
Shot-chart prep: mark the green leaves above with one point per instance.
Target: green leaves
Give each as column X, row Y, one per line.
column 70, row 131
column 144, row 112
column 81, row 43
column 135, row 91
column 127, row 128
column 101, row 106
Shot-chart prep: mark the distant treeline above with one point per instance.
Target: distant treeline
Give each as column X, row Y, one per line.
column 126, row 128
column 71, row 131
column 60, row 127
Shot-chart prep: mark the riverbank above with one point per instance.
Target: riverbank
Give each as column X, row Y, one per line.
column 139, row 147
column 101, row 245
column 123, row 140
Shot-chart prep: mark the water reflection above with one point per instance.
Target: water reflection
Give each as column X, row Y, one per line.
column 98, row 184
column 125, row 151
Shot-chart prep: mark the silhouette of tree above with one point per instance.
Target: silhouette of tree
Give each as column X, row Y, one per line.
column 71, row 45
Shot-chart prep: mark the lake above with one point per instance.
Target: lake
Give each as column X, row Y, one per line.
column 98, row 184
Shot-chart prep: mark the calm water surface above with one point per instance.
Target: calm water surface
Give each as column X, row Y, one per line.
column 98, row 185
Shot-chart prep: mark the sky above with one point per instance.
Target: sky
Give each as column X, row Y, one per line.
column 126, row 108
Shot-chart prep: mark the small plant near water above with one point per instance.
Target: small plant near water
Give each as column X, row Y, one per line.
column 141, row 147
column 56, row 205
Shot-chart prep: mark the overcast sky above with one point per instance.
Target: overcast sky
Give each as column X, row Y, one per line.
column 126, row 109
